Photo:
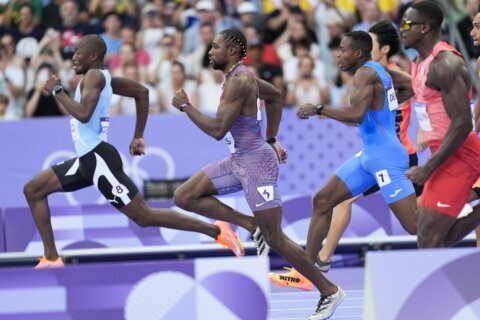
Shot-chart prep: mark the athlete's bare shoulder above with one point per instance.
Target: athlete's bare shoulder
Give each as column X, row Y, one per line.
column 447, row 66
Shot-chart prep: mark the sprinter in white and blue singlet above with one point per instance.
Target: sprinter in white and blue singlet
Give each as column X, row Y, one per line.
column 98, row 163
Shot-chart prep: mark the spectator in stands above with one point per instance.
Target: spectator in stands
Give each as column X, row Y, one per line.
column 12, row 77
column 265, row 71
column 159, row 70
column 369, row 13
column 71, row 29
column 12, row 15
column 151, row 30
column 205, row 10
column 300, row 49
column 296, row 31
column 196, row 58
column 128, row 38
column 277, row 21
column 209, row 87
column 41, row 103
column 27, row 26
column 51, row 13
column 269, row 53
column 248, row 15
column 168, row 88
column 306, row 87
column 126, row 105
column 126, row 56
column 48, row 51
column 99, row 8
column 112, row 25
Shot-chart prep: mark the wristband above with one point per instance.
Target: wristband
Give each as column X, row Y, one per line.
column 319, row 108
column 57, row 89
column 271, row 140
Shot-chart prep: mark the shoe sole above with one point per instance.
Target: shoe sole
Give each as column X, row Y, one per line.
column 283, row 285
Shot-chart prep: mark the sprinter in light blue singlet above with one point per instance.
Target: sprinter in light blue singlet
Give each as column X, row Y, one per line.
column 98, row 162
column 87, row 136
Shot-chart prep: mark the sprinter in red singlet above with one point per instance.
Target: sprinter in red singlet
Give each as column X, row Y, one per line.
column 441, row 82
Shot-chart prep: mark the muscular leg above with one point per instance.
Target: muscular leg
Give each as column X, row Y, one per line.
column 36, row 192
column 340, row 220
column 146, row 216
column 195, row 195
column 463, row 226
column 433, row 227
column 406, row 212
column 269, row 222
column 437, row 230
column 333, row 193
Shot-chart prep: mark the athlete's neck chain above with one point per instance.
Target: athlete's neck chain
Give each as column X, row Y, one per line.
column 239, row 63
column 233, row 68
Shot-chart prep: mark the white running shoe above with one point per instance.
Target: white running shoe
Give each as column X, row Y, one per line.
column 327, row 305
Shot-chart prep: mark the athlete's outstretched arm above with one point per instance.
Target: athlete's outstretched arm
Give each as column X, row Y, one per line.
column 361, row 98
column 449, row 74
column 402, row 82
column 235, row 93
column 92, row 85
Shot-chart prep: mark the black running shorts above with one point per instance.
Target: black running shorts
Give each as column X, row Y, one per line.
column 101, row 167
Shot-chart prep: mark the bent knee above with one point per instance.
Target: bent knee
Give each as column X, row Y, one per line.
column 31, row 191
column 323, row 201
column 181, row 198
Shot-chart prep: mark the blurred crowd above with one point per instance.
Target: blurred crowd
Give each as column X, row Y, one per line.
column 164, row 44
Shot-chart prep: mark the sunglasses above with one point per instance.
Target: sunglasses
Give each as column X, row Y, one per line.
column 407, row 24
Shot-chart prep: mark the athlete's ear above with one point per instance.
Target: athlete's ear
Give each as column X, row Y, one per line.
column 385, row 49
column 231, row 50
column 426, row 28
column 358, row 53
column 93, row 56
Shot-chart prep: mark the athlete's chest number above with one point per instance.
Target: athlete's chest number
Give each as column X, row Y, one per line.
column 392, row 99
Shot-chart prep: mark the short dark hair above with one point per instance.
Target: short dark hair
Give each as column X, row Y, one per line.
column 28, row 5
column 361, row 40
column 387, row 35
column 96, row 44
column 234, row 37
column 430, row 11
column 334, row 43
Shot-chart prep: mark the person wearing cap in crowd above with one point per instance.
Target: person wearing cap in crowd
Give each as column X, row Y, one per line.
column 205, row 10
column 151, row 29
column 248, row 15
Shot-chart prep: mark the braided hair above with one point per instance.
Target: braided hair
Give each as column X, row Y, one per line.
column 235, row 38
